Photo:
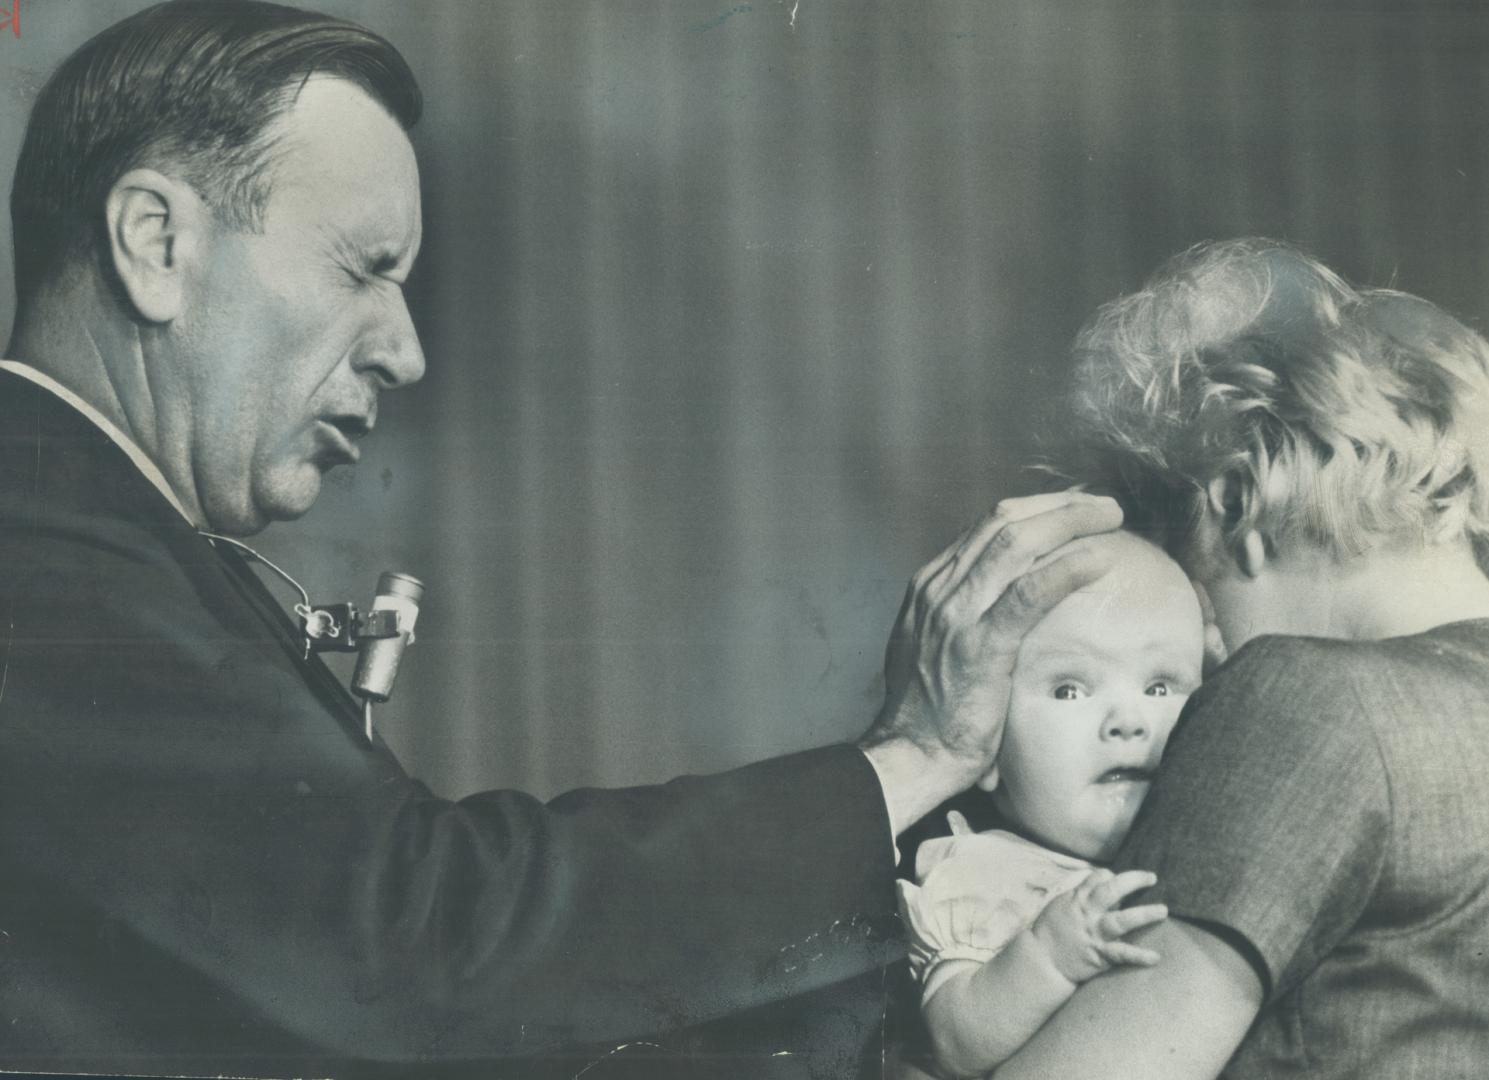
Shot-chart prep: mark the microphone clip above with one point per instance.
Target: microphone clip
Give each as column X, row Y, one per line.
column 343, row 628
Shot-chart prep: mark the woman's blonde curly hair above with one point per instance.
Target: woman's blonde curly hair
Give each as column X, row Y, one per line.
column 1339, row 418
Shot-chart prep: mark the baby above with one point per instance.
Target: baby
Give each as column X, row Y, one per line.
column 1005, row 925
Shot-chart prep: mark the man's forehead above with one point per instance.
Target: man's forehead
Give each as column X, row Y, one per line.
column 333, row 124
column 326, row 101
column 344, row 165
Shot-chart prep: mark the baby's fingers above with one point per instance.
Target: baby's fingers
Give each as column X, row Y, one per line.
column 1124, row 952
column 1113, row 890
column 1115, row 924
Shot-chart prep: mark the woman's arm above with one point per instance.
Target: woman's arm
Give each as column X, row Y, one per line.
column 1180, row 1020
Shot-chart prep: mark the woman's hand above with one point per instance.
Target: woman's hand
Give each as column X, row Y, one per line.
column 949, row 664
column 1082, row 930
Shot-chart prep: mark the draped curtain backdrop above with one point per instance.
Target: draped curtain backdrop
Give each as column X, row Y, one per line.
column 736, row 312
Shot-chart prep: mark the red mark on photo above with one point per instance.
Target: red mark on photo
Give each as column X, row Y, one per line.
column 10, row 17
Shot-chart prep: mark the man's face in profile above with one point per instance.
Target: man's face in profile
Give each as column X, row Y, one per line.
column 292, row 330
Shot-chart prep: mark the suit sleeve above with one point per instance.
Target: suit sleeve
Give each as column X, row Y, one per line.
column 207, row 862
column 1270, row 820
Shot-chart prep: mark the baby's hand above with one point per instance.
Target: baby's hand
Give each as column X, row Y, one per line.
column 1081, row 930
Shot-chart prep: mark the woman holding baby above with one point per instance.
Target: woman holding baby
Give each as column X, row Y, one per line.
column 1317, row 458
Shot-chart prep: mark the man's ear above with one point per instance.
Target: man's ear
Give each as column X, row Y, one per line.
column 156, row 228
column 989, row 779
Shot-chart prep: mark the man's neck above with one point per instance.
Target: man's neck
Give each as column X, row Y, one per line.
column 146, row 467
column 73, row 335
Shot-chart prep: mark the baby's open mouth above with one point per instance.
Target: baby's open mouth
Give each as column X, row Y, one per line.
column 1125, row 774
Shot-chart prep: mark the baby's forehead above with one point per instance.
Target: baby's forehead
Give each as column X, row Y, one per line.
column 1122, row 616
column 1136, row 564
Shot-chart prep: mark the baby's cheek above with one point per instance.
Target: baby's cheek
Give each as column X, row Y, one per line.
column 1170, row 716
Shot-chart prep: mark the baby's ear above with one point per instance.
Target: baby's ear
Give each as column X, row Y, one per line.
column 1215, row 652
column 989, row 779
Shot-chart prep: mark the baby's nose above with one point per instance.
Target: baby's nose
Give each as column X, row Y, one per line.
column 1124, row 723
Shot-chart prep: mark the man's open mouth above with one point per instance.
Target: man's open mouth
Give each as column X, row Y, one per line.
column 338, row 435
column 1125, row 774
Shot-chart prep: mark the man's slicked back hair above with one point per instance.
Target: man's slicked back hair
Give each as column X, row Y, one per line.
column 193, row 88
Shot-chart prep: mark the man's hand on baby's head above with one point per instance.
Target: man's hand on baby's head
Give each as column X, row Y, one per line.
column 1082, row 930
column 949, row 664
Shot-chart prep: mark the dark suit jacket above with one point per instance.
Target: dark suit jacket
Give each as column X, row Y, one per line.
column 207, row 868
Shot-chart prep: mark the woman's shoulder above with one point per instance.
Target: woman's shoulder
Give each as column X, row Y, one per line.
column 1276, row 673
column 1289, row 688
column 1286, row 660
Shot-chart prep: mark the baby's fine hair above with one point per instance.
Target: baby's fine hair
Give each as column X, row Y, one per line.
column 1339, row 418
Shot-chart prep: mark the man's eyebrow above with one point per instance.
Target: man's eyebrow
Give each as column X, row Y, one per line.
column 382, row 262
column 374, row 258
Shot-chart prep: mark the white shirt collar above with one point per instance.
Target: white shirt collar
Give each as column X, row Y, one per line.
column 103, row 423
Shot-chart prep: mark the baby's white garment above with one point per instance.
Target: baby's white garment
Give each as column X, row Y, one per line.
column 977, row 891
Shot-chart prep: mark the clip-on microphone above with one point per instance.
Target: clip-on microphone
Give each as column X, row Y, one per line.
column 379, row 636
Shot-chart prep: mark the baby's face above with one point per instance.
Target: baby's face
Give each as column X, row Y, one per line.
column 1096, row 690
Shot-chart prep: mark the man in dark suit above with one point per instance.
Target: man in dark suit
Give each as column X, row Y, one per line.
column 207, row 866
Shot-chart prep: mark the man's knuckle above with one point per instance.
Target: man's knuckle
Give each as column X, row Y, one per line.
column 1025, row 594
column 948, row 615
column 1007, row 539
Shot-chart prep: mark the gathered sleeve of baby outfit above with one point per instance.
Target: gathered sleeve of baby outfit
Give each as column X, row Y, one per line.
column 975, row 893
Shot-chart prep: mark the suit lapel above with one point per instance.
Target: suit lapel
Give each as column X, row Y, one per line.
column 255, row 595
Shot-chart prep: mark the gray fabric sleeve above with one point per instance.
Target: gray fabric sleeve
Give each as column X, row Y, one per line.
column 1271, row 816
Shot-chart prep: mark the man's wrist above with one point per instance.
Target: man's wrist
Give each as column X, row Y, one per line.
column 915, row 780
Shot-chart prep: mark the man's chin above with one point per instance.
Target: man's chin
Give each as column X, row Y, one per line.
column 284, row 501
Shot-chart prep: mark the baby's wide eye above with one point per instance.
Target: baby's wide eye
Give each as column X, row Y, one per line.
column 1158, row 689
column 1068, row 692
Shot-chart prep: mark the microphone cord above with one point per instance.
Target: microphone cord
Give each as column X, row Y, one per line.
column 303, row 608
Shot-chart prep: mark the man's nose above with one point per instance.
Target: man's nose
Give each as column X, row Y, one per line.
column 392, row 352
column 1123, row 722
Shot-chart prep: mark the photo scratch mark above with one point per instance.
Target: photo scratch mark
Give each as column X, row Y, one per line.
column 883, row 1022
column 618, row 1049
column 738, row 9
column 5, row 670
column 795, row 7
column 812, row 940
